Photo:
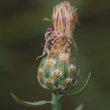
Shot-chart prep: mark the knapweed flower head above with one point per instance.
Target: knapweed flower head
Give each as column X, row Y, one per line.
column 58, row 71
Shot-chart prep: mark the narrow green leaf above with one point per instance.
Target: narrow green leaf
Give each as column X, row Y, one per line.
column 30, row 104
column 80, row 107
column 81, row 90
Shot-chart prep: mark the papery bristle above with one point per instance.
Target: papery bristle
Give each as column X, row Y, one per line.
column 64, row 19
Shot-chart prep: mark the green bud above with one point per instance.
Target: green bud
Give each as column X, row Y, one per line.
column 58, row 74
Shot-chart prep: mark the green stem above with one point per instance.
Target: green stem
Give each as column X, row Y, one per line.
column 56, row 101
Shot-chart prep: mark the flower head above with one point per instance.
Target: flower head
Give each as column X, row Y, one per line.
column 58, row 68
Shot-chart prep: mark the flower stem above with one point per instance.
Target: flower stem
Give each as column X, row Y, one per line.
column 56, row 101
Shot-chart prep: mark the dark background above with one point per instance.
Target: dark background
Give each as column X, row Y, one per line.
column 21, row 35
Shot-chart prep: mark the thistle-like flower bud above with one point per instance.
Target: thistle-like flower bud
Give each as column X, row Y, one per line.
column 58, row 71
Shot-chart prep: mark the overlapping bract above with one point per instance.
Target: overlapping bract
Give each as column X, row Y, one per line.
column 58, row 74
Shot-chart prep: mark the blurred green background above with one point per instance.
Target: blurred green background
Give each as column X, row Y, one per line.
column 21, row 35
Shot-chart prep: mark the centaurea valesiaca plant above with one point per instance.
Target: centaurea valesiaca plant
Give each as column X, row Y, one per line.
column 58, row 71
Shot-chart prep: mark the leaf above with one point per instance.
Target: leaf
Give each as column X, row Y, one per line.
column 80, row 107
column 81, row 90
column 30, row 104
